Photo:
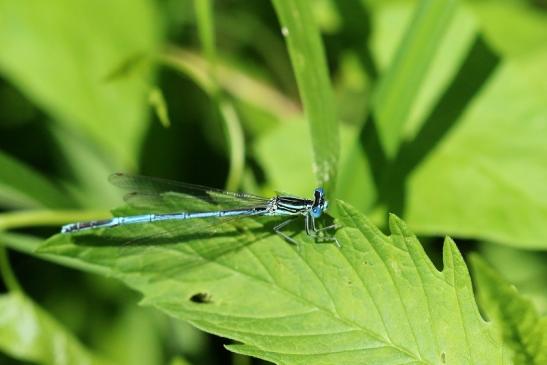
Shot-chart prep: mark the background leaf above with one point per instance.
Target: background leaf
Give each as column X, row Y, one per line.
column 401, row 83
column 28, row 333
column 523, row 329
column 111, row 114
column 22, row 187
column 523, row 268
column 458, row 137
column 367, row 177
column 513, row 28
column 480, row 164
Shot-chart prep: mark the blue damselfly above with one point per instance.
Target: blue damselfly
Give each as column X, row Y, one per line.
column 230, row 205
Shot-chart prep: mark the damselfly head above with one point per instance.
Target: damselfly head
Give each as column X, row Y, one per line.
column 319, row 203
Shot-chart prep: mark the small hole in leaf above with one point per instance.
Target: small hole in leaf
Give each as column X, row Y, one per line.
column 201, row 298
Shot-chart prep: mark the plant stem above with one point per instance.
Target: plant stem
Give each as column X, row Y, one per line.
column 232, row 125
column 33, row 218
column 29, row 244
column 7, row 273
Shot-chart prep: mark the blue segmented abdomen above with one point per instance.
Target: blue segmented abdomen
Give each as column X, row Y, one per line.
column 107, row 223
column 149, row 218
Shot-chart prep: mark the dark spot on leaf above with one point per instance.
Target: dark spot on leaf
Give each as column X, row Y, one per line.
column 201, row 298
column 443, row 357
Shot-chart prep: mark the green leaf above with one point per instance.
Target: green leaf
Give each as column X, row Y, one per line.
column 28, row 244
column 22, row 187
column 394, row 96
column 62, row 59
column 513, row 28
column 206, row 31
column 525, row 269
column 486, row 178
column 377, row 298
column 91, row 190
column 310, row 68
column 157, row 101
column 443, row 66
column 476, row 110
column 363, row 172
column 280, row 163
column 28, row 333
column 134, row 337
column 523, row 329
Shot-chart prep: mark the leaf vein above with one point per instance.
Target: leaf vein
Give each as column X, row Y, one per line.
column 419, row 355
column 460, row 307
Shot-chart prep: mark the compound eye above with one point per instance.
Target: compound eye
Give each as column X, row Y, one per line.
column 316, row 212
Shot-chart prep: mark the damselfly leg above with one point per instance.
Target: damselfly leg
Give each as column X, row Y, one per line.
column 277, row 229
column 316, row 232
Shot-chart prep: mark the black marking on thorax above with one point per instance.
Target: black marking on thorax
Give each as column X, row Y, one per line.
column 293, row 205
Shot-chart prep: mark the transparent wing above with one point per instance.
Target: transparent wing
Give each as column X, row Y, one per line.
column 168, row 240
column 178, row 231
column 161, row 195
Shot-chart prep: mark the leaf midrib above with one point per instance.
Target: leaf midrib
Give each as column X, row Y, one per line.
column 460, row 309
column 425, row 294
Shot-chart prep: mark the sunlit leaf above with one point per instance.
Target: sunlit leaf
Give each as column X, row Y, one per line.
column 513, row 28
column 363, row 171
column 391, row 22
column 474, row 130
column 399, row 85
column 287, row 168
column 492, row 166
column 280, row 164
column 60, row 53
column 377, row 298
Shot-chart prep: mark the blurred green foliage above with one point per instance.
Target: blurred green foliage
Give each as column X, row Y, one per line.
column 433, row 110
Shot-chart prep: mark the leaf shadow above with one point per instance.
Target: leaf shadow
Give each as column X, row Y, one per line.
column 391, row 176
column 183, row 251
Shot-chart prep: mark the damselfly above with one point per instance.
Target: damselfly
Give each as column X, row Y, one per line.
column 230, row 204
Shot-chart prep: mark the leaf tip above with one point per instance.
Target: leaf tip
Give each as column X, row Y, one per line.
column 451, row 255
column 396, row 224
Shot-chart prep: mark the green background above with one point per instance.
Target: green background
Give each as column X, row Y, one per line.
column 433, row 110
